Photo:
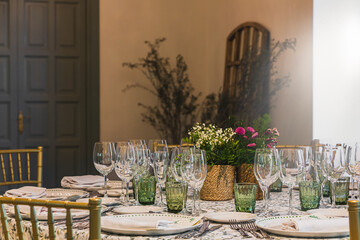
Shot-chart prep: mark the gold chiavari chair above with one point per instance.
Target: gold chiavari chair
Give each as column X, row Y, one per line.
column 94, row 207
column 13, row 155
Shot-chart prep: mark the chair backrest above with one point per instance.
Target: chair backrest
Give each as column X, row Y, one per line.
column 246, row 79
column 94, row 206
column 20, row 158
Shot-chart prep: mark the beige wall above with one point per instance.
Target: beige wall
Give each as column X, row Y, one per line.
column 197, row 29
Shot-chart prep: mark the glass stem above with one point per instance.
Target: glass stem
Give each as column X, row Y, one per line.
column 194, row 202
column 333, row 202
column 358, row 190
column 290, row 200
column 137, row 190
column 265, row 196
column 105, row 187
column 127, row 194
column 161, row 196
column 198, row 200
column 322, row 191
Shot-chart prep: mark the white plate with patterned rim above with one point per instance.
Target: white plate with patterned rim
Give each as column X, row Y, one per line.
column 181, row 224
column 273, row 225
column 115, row 192
column 111, row 184
column 137, row 209
column 225, row 217
column 104, row 201
column 62, row 194
column 329, row 212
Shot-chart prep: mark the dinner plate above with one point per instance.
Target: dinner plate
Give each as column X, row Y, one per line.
column 272, row 224
column 330, row 212
column 104, row 201
column 62, row 194
column 225, row 217
column 111, row 184
column 137, row 209
column 181, row 224
column 115, row 192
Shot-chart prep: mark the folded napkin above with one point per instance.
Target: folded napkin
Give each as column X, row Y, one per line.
column 316, row 225
column 82, row 181
column 127, row 223
column 26, row 192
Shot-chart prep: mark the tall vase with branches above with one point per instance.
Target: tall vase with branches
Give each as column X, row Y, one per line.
column 176, row 107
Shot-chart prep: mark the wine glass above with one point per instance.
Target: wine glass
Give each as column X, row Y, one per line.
column 175, row 163
column 335, row 164
column 200, row 170
column 160, row 158
column 266, row 171
column 140, row 167
column 125, row 158
column 291, row 168
column 353, row 163
column 138, row 143
column 187, row 170
column 104, row 158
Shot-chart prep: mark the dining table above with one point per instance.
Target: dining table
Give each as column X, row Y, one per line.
column 278, row 206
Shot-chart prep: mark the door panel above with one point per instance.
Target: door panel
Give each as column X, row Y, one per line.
column 51, row 84
column 8, row 75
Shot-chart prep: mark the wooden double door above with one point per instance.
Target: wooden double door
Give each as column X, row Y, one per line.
column 44, row 82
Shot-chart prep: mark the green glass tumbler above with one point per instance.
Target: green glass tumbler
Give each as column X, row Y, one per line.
column 309, row 195
column 341, row 191
column 245, row 197
column 146, row 190
column 174, row 196
column 326, row 189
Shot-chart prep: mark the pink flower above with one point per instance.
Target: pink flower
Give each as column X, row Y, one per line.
column 251, row 145
column 245, row 137
column 240, row 130
column 250, row 129
column 269, row 146
column 270, row 139
column 255, row 135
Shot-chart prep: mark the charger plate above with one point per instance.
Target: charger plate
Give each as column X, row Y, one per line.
column 137, row 209
column 181, row 224
column 225, row 217
column 269, row 225
column 62, row 194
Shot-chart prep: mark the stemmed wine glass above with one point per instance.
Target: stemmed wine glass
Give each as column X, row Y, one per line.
column 266, row 171
column 160, row 159
column 125, row 158
column 187, row 170
column 175, row 162
column 291, row 168
column 353, row 163
column 104, row 158
column 200, row 170
column 335, row 164
column 140, row 167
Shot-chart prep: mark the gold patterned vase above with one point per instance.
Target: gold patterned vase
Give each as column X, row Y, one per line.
column 219, row 183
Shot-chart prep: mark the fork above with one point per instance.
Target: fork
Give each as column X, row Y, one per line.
column 263, row 233
column 235, row 226
column 247, row 228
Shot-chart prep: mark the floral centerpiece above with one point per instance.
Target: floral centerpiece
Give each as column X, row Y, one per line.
column 227, row 149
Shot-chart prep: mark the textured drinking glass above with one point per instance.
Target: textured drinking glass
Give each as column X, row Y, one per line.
column 309, row 195
column 341, row 191
column 276, row 186
column 326, row 189
column 174, row 196
column 147, row 190
column 245, row 197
